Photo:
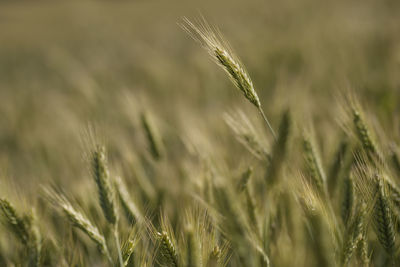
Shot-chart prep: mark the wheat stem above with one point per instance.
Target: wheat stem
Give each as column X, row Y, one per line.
column 267, row 122
column 121, row 261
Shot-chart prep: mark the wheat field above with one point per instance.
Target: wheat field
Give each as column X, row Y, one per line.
column 188, row 133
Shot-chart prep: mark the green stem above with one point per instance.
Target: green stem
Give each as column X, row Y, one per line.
column 267, row 122
column 121, row 262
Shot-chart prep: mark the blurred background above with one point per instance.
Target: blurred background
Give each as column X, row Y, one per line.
column 67, row 65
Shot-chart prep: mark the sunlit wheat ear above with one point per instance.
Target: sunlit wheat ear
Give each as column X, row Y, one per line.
column 78, row 220
column 105, row 189
column 222, row 54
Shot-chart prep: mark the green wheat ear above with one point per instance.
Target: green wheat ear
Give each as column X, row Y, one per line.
column 167, row 249
column 16, row 223
column 347, row 198
column 365, row 137
column 105, row 189
column 313, row 165
column 78, row 220
column 222, row 54
column 132, row 211
column 25, row 229
column 383, row 218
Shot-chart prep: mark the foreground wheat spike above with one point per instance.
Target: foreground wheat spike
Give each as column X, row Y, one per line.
column 78, row 220
column 25, row 229
column 102, row 177
column 16, row 223
column 167, row 250
column 222, row 54
column 383, row 218
column 106, row 193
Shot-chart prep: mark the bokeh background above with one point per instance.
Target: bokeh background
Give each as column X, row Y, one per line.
column 67, row 65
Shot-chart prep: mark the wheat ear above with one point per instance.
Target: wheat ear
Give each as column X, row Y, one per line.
column 383, row 218
column 314, row 165
column 102, row 177
column 222, row 54
column 16, row 223
column 365, row 137
column 167, row 249
column 78, row 220
column 106, row 192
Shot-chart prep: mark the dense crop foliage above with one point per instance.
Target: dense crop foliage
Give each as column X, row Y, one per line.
column 114, row 154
